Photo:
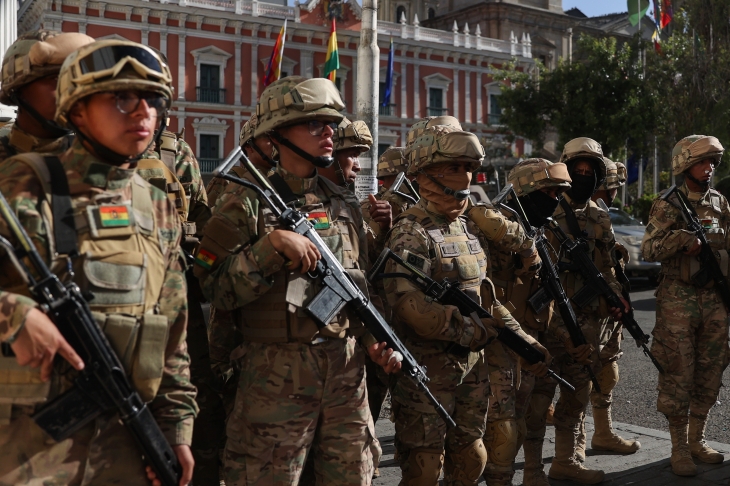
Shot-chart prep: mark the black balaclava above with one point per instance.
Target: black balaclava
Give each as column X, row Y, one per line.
column 582, row 187
column 538, row 207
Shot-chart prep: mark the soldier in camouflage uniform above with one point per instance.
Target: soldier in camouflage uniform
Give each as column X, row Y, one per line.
column 127, row 257
column 301, row 388
column 513, row 265
column 259, row 150
column 579, row 217
column 691, row 332
column 445, row 244
column 29, row 75
column 351, row 139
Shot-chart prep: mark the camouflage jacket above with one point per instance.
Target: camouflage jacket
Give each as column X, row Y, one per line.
column 14, row 140
column 376, row 236
column 217, row 185
column 93, row 182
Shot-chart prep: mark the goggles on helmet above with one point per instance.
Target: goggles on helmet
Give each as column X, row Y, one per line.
column 108, row 62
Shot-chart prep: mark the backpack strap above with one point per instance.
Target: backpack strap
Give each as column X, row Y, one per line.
column 64, row 227
column 571, row 220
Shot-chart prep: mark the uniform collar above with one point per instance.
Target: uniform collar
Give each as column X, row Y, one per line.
column 24, row 142
column 299, row 186
column 84, row 170
column 438, row 218
column 693, row 196
column 574, row 204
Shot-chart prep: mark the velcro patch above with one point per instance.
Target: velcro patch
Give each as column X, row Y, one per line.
column 113, row 216
column 319, row 219
column 205, row 259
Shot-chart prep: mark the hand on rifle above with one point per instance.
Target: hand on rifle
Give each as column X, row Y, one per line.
column 300, row 252
column 693, row 249
column 384, row 356
column 583, row 354
column 39, row 341
column 484, row 330
column 381, row 212
column 540, row 368
column 616, row 312
column 185, row 458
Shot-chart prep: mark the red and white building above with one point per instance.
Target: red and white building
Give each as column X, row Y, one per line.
column 218, row 51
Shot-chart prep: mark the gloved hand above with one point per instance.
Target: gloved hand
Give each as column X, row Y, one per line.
column 477, row 333
column 583, row 354
column 540, row 368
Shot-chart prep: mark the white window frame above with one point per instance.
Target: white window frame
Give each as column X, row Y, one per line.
column 287, row 65
column 211, row 55
column 210, row 126
column 492, row 88
column 437, row 81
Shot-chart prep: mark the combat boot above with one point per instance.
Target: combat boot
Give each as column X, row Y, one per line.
column 565, row 466
column 604, row 438
column 697, row 445
column 534, row 470
column 682, row 463
column 580, row 445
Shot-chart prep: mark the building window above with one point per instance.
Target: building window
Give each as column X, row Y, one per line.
column 387, row 109
column 382, row 147
column 211, row 65
column 431, row 13
column 435, row 101
column 209, row 157
column 437, row 86
column 400, row 13
column 495, row 112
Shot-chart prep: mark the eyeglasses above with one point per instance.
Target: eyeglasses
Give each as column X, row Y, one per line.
column 128, row 101
column 316, row 127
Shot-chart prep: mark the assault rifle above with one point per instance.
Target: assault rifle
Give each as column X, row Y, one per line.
column 595, row 285
column 551, row 289
column 450, row 294
column 338, row 288
column 102, row 386
column 709, row 268
column 400, row 181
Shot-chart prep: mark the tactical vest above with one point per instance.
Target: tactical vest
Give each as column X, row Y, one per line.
column 121, row 265
column 278, row 315
column 217, row 185
column 715, row 224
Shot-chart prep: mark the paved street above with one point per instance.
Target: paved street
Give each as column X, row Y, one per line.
column 635, row 416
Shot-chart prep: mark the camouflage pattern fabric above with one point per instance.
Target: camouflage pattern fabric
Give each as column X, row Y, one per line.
column 102, row 452
column 690, row 338
column 14, row 140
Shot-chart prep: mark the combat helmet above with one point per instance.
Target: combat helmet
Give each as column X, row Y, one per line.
column 584, row 148
column 35, row 55
column 695, row 148
column 430, row 121
column 531, row 175
column 613, row 178
column 443, row 144
column 392, row 162
column 247, row 130
column 351, row 134
column 623, row 174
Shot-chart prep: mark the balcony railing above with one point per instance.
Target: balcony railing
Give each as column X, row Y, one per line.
column 495, row 118
column 388, row 110
column 433, row 111
column 211, row 95
column 207, row 165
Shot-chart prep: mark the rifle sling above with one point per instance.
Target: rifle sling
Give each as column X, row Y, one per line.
column 64, row 228
column 571, row 220
column 282, row 188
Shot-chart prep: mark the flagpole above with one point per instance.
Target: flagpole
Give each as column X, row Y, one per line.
column 368, row 91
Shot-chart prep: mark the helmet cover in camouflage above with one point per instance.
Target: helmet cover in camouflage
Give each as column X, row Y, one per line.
column 584, row 148
column 247, row 130
column 351, row 134
column 623, row 174
column 137, row 67
column 531, row 175
column 392, row 162
column 695, row 148
column 295, row 99
column 443, row 144
column 613, row 179
column 35, row 55
column 430, row 121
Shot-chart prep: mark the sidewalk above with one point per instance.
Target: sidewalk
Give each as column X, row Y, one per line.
column 647, row 467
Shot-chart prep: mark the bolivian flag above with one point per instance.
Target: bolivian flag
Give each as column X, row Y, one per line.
column 273, row 69
column 332, row 61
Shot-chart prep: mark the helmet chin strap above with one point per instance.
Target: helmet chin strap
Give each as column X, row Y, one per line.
column 460, row 195
column 51, row 127
column 115, row 158
column 261, row 153
column 322, row 161
column 704, row 185
column 341, row 173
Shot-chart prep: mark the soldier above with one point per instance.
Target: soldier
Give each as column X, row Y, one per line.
column 351, row 139
column 580, row 218
column 435, row 233
column 127, row 256
column 29, row 76
column 301, row 388
column 421, row 125
column 259, row 150
column 691, row 332
column 513, row 264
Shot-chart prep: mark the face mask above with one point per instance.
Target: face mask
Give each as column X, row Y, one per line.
column 538, row 207
column 442, row 203
column 582, row 187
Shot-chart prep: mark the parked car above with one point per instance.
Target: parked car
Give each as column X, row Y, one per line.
column 629, row 232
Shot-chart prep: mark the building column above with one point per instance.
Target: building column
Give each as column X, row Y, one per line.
column 403, row 85
column 237, row 75
column 254, row 73
column 163, row 43
column 478, row 85
column 181, row 68
column 467, row 96
column 455, row 84
column 8, row 34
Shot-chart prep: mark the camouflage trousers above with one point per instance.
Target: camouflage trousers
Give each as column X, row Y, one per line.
column 610, row 351
column 294, row 399
column 101, row 453
column 691, row 343
column 460, row 385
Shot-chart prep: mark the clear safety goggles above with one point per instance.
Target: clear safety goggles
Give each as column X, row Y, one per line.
column 108, row 61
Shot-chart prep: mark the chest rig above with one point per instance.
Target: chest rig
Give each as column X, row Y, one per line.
column 715, row 224
column 279, row 315
column 116, row 255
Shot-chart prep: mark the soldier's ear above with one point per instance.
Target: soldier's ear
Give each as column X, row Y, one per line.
column 77, row 113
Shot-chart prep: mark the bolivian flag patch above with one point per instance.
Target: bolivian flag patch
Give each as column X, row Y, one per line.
column 319, row 219
column 113, row 216
column 205, row 259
